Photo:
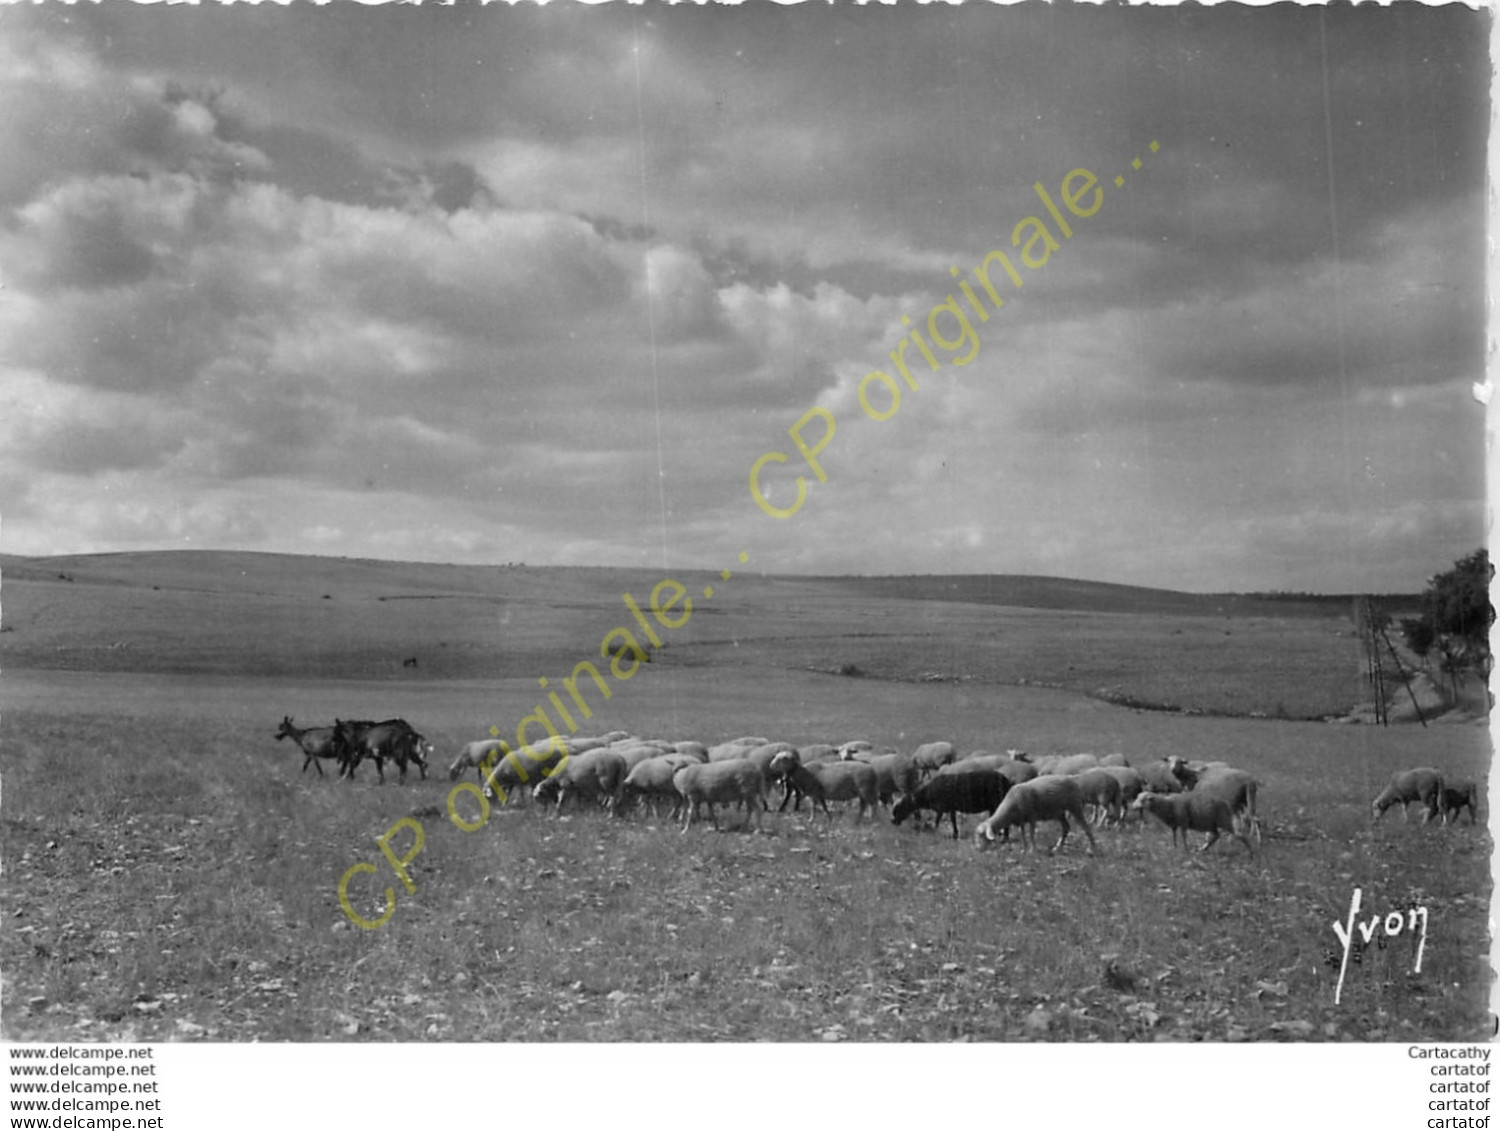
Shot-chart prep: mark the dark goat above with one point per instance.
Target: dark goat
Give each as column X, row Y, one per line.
column 315, row 742
column 392, row 738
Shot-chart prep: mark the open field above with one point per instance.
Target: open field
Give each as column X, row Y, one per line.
column 171, row 874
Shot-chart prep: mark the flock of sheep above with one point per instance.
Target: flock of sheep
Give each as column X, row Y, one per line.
column 622, row 772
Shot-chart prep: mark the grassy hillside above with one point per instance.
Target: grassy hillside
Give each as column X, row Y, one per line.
column 285, row 616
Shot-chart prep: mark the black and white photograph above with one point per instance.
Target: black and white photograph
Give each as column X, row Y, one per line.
column 854, row 529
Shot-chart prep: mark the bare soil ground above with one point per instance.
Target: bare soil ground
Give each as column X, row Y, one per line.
column 171, row 874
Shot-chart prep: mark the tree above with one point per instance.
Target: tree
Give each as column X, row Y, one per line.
column 1456, row 617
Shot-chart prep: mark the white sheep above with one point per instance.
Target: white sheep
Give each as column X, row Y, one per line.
column 651, row 780
column 1194, row 812
column 721, row 783
column 1423, row 784
column 1131, row 786
column 595, row 774
column 1048, row 798
column 729, row 751
column 931, row 757
column 1237, row 787
column 823, row 782
column 1101, row 789
column 1066, row 765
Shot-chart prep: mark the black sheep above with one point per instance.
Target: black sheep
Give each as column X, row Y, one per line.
column 953, row 792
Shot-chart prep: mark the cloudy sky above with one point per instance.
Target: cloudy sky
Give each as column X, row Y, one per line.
column 542, row 285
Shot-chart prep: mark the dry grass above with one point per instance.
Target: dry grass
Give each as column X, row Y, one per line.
column 171, row 874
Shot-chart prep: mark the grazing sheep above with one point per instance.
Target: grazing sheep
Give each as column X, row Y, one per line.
column 1194, row 812
column 847, row 750
column 1101, row 789
column 696, row 749
column 818, row 752
column 1117, row 759
column 981, row 759
column 651, row 780
column 595, row 774
column 1236, row 787
column 730, row 751
column 952, row 792
column 473, row 754
column 636, row 753
column 1131, row 786
column 1052, row 797
column 823, row 782
column 1458, row 795
column 1016, row 771
column 1422, row 784
column 722, row 783
column 931, row 757
column 894, row 773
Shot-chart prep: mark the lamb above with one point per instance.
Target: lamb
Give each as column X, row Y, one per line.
column 823, row 782
column 1422, row 784
column 1455, row 797
column 952, row 792
column 1053, row 797
column 931, row 757
column 1101, row 789
column 721, row 783
column 1194, row 812
column 595, row 774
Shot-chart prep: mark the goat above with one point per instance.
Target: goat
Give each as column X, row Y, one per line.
column 315, row 743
